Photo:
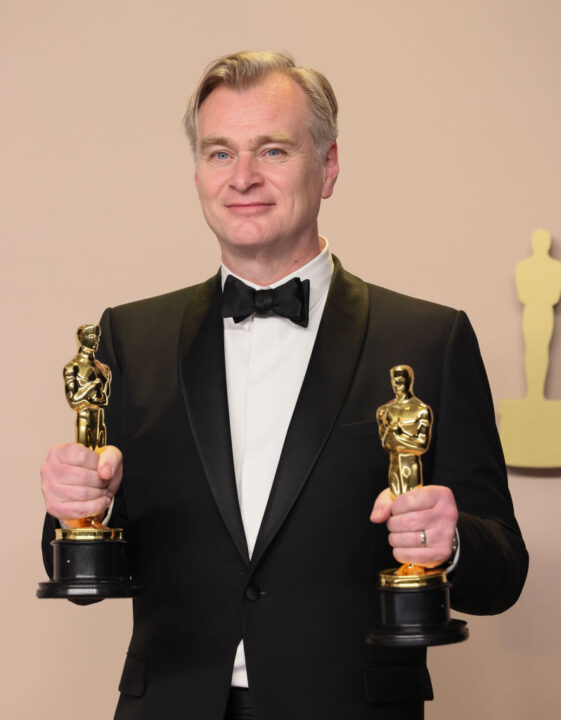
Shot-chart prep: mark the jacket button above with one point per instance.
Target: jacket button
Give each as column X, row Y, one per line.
column 252, row 592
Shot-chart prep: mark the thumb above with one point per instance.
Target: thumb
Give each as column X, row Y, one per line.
column 382, row 507
column 110, row 461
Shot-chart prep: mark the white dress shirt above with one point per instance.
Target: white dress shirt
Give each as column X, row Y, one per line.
column 266, row 361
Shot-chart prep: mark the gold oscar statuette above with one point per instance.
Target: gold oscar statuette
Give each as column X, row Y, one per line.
column 414, row 601
column 87, row 384
column 89, row 559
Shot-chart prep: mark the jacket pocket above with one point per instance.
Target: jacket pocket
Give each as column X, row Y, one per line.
column 352, row 431
column 397, row 683
column 133, row 679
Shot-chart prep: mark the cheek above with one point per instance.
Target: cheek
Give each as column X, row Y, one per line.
column 298, row 187
column 209, row 185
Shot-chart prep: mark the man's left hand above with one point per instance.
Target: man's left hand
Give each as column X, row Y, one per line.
column 427, row 512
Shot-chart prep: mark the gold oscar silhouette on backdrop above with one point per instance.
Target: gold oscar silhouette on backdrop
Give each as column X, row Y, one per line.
column 530, row 427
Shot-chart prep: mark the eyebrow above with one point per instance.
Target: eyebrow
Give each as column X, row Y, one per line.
column 277, row 138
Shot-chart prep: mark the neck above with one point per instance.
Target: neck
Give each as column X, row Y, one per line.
column 264, row 266
column 405, row 395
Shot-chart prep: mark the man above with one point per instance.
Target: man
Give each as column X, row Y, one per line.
column 251, row 445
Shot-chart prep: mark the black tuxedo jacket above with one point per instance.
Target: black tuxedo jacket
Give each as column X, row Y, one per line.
column 303, row 603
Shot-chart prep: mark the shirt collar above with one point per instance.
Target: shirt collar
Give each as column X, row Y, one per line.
column 318, row 271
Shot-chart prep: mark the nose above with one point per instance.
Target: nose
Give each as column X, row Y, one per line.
column 245, row 173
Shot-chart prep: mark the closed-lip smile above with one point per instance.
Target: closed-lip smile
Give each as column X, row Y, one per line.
column 248, row 208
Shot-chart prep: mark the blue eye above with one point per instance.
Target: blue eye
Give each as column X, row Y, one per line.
column 221, row 155
column 274, row 152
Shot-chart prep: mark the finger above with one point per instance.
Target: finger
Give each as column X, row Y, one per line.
column 78, row 493
column 61, row 495
column 426, row 498
column 438, row 536
column 58, row 482
column 73, row 454
column 420, row 498
column 437, row 548
column 69, row 475
column 75, row 510
column 382, row 507
column 411, row 521
column 409, row 540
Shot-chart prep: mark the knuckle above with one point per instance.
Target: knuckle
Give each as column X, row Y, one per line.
column 81, row 509
column 51, row 507
column 432, row 563
column 402, row 555
column 82, row 493
column 52, row 454
column 45, row 472
column 409, row 523
column 448, row 496
column 450, row 514
column 82, row 455
column 63, row 453
column 65, row 474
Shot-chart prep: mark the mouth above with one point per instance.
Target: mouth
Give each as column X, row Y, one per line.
column 249, row 208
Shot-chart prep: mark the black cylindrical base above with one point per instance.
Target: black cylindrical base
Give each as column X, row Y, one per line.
column 411, row 617
column 89, row 570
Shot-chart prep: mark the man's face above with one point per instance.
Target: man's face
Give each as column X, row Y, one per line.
column 259, row 177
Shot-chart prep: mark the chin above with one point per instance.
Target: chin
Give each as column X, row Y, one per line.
column 249, row 238
column 249, row 243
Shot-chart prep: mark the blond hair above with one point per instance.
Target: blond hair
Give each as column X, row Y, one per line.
column 243, row 70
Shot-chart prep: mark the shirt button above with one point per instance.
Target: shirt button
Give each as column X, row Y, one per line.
column 252, row 592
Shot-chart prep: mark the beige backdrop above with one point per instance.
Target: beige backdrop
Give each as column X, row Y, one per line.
column 451, row 156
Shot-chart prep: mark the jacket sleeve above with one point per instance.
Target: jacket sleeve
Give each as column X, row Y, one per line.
column 468, row 458
column 109, row 354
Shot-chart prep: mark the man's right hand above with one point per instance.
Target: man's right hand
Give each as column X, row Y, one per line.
column 77, row 482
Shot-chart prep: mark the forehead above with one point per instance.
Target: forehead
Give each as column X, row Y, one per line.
column 277, row 104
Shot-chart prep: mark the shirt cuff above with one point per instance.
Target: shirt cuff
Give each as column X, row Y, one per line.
column 453, row 562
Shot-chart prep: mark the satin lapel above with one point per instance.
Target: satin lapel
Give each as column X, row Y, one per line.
column 203, row 380
column 330, row 371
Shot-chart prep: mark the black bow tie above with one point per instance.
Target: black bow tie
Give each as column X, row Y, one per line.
column 290, row 300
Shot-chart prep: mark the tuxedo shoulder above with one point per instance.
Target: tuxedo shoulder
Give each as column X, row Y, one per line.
column 428, row 322
column 409, row 304
column 392, row 301
column 166, row 305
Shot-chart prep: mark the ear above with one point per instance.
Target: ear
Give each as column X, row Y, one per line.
column 331, row 171
column 197, row 178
